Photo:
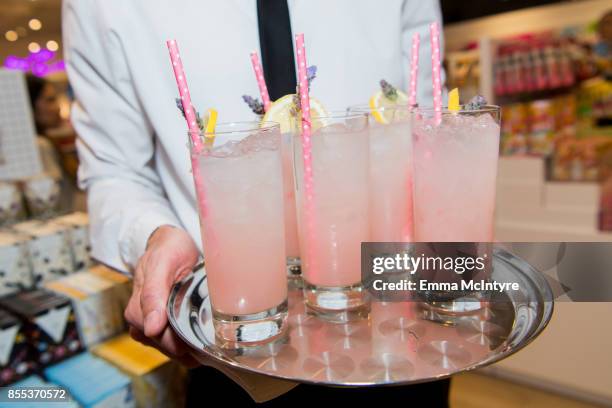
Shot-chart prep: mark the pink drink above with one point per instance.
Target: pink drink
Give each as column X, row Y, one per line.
column 331, row 234
column 391, row 182
column 340, row 161
column 242, row 230
column 455, row 167
column 292, row 245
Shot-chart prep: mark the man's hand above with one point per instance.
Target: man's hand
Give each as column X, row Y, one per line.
column 171, row 254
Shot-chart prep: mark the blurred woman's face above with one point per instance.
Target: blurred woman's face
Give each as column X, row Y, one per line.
column 47, row 109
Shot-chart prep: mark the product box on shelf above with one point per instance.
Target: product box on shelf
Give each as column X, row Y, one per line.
column 542, row 127
column 49, row 324
column 92, row 382
column 566, row 116
column 122, row 285
column 515, row 128
column 12, row 208
column 34, row 381
column 605, row 204
column 157, row 381
column 42, row 194
column 580, row 159
column 49, row 249
column 96, row 302
column 78, row 234
column 15, row 267
column 16, row 356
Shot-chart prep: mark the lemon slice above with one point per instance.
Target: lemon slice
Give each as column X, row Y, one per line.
column 280, row 112
column 453, row 100
column 379, row 102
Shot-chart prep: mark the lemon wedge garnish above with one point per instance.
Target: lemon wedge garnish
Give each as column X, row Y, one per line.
column 453, row 100
column 211, row 124
column 280, row 112
column 379, row 102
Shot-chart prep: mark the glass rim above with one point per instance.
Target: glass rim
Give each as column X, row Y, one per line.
column 446, row 111
column 245, row 126
column 366, row 108
column 341, row 114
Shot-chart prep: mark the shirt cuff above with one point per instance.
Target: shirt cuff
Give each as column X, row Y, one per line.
column 134, row 243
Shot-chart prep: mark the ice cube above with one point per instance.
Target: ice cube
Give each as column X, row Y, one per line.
column 335, row 128
column 257, row 141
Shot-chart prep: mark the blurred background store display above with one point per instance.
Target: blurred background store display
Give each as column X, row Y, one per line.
column 550, row 68
column 548, row 63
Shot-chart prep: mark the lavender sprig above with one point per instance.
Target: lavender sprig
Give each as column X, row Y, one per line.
column 179, row 105
column 255, row 104
column 388, row 90
column 201, row 122
column 296, row 106
column 477, row 102
column 311, row 74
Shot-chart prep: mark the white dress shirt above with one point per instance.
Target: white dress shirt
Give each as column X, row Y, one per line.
column 132, row 139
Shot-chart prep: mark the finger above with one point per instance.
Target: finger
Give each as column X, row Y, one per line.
column 139, row 273
column 133, row 311
column 170, row 342
column 154, row 295
column 139, row 336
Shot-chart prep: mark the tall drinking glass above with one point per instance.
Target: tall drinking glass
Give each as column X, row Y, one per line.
column 292, row 244
column 390, row 176
column 455, row 169
column 333, row 216
column 243, row 231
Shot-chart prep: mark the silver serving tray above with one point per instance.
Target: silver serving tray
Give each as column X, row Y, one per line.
column 400, row 343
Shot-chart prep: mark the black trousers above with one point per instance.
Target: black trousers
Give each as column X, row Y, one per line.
column 206, row 381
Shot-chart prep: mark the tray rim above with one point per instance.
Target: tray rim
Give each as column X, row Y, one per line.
column 536, row 277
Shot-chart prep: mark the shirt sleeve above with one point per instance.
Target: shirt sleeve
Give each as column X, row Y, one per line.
column 116, row 146
column 416, row 16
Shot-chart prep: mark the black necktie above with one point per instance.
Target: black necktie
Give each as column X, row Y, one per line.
column 276, row 45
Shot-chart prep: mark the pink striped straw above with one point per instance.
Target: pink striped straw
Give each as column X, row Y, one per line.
column 434, row 30
column 306, row 144
column 414, row 68
column 181, row 82
column 190, row 116
column 261, row 82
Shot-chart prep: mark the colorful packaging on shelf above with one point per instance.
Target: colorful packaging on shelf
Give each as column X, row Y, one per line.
column 92, row 382
column 565, row 116
column 532, row 63
column 34, row 381
column 514, row 129
column 16, row 356
column 605, row 206
column 15, row 267
column 542, row 123
column 539, row 69
column 605, row 211
column 581, row 159
column 49, row 249
column 78, row 234
column 97, row 304
column 566, row 67
column 157, row 381
column 49, row 324
column 567, row 161
column 11, row 204
column 42, row 194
